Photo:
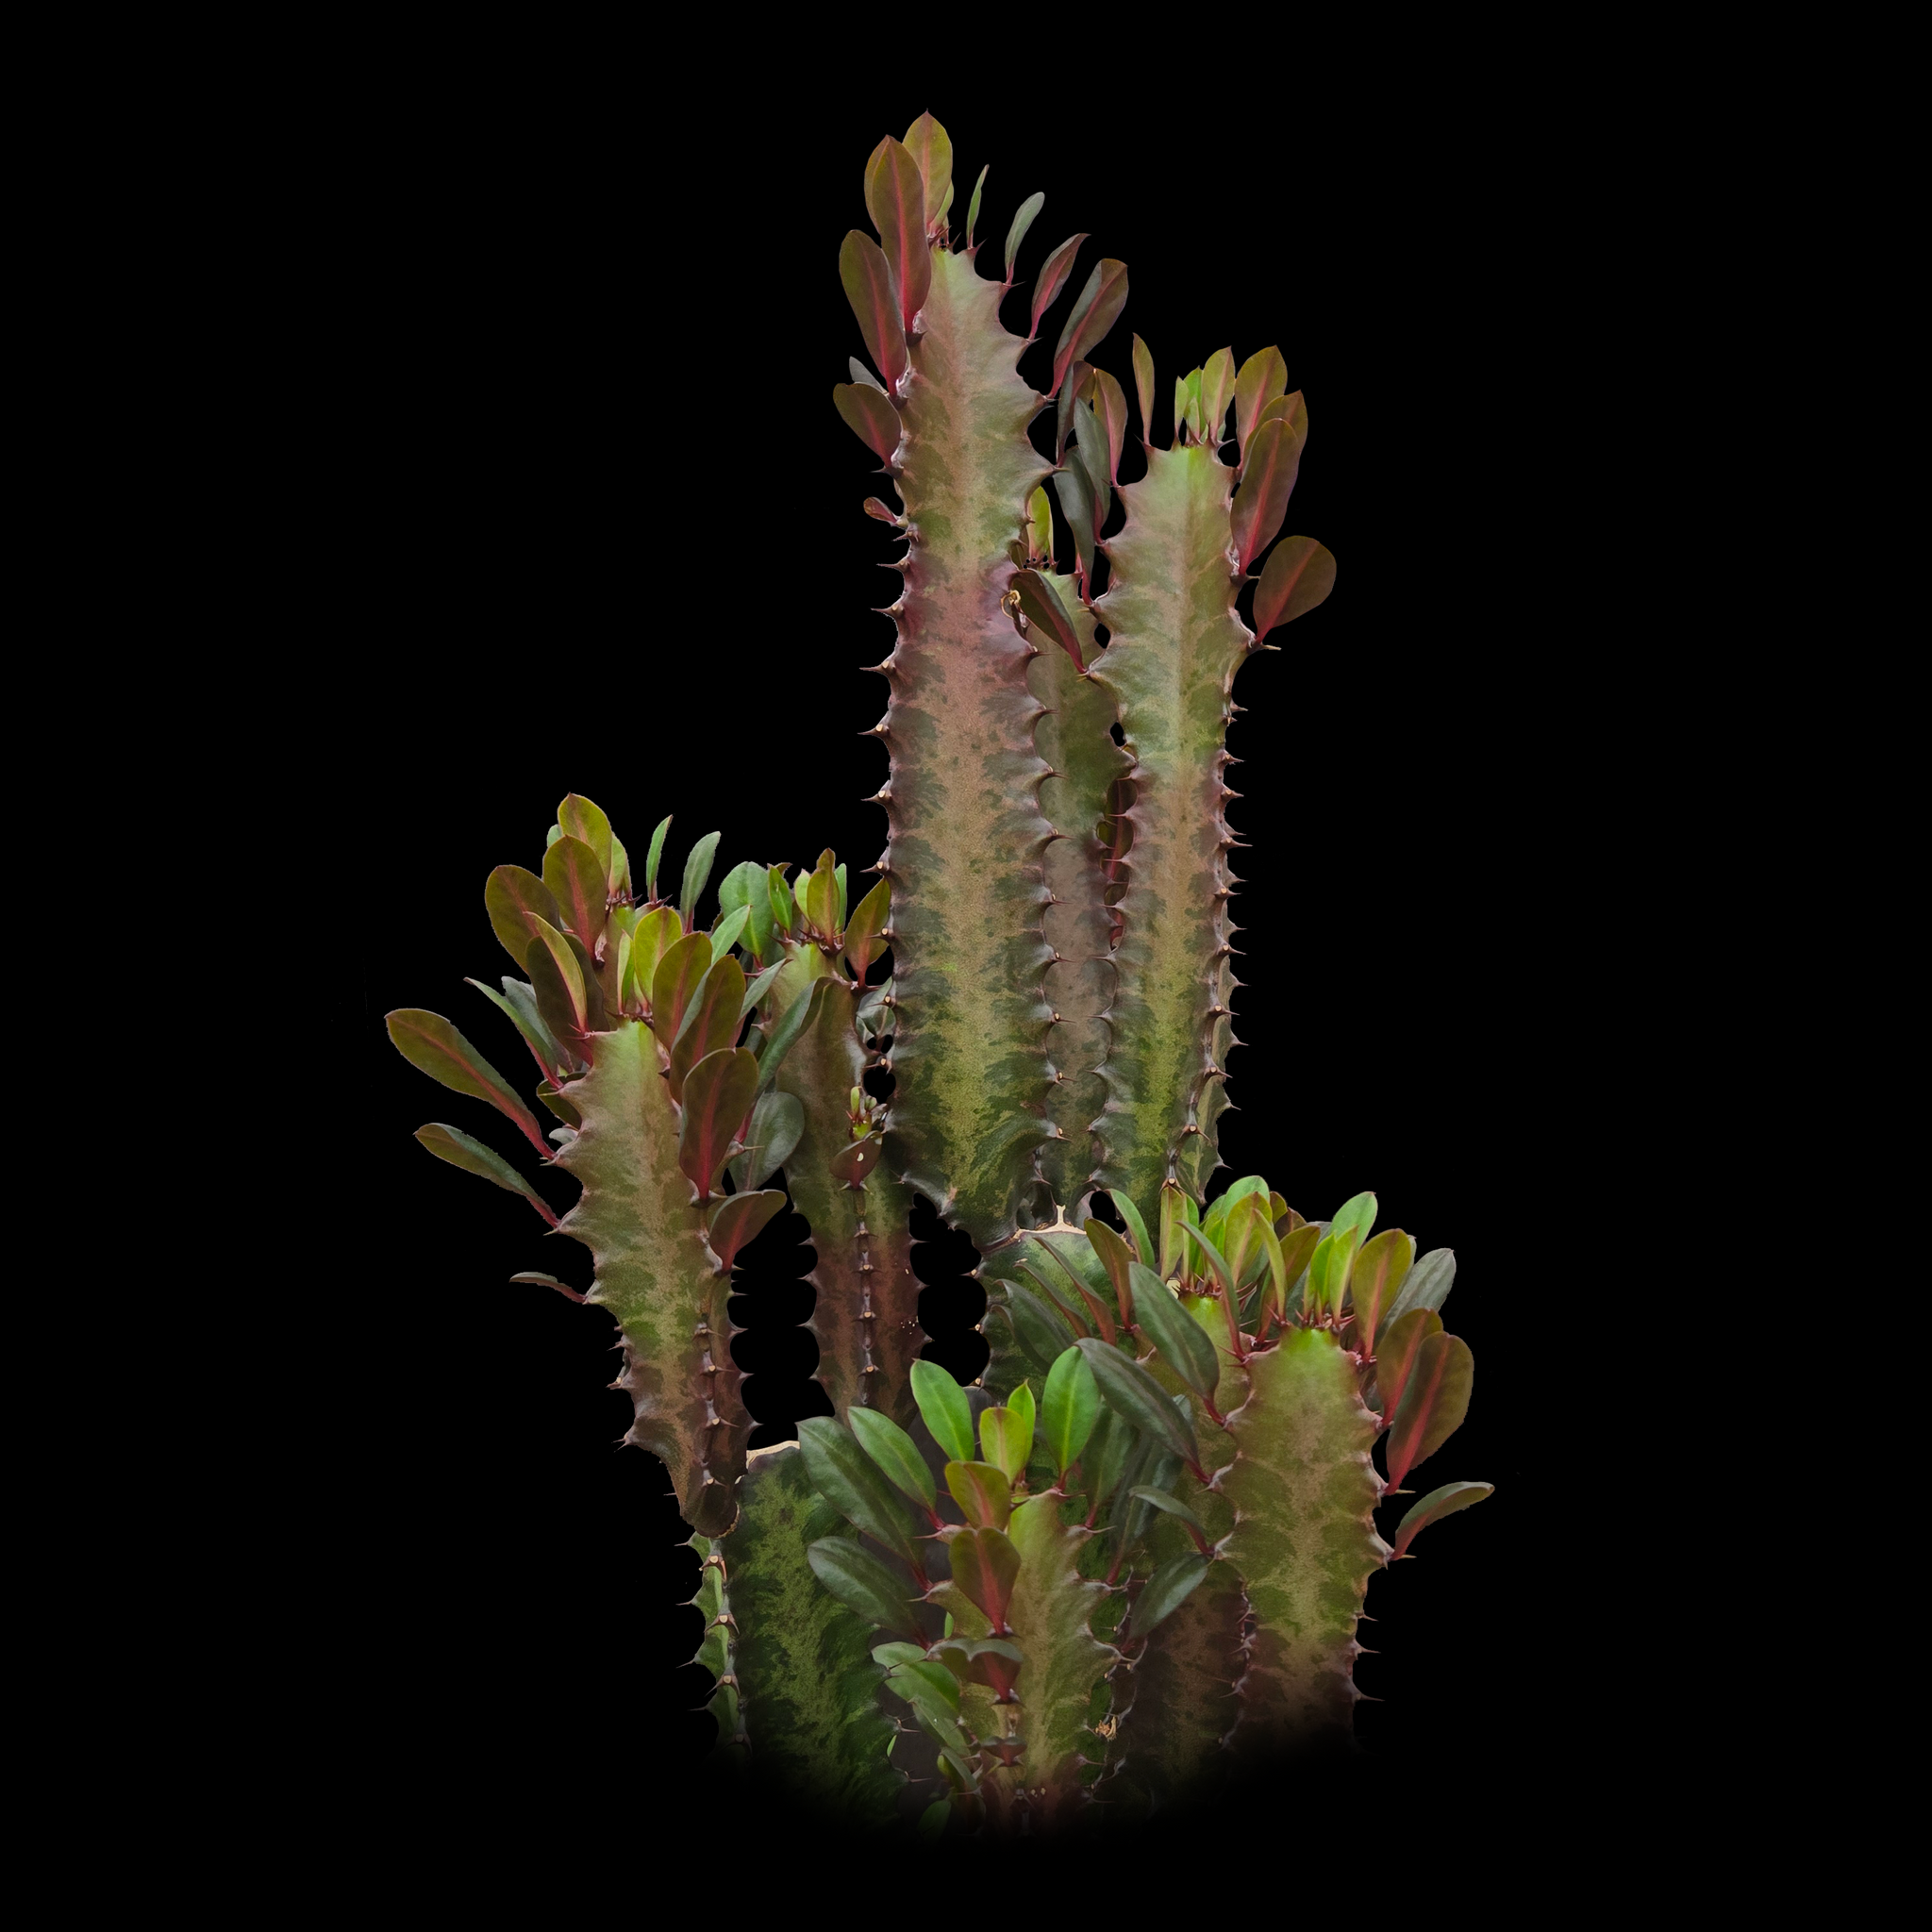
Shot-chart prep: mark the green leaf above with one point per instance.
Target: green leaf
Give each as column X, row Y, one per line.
column 1328, row 1271
column 820, row 897
column 1397, row 1349
column 1168, row 1506
column 1096, row 312
column 578, row 818
column 802, row 1013
column 455, row 1146
column 563, row 1288
column 1216, row 1260
column 1177, row 1211
column 1053, row 271
column 529, row 1023
column 1128, row 1389
column 697, row 870
column 1272, row 462
column 864, row 931
column 710, row 1023
column 985, row 1568
column 1379, row 1271
column 931, row 1688
column 656, row 853
column 1137, row 1228
column 1105, row 1458
column 433, row 1046
column 1143, row 388
column 1358, row 1212
column 1435, row 1400
column 867, row 279
column 868, row 412
column 1165, row 1592
column 1263, row 377
column 730, row 930
column 776, row 1123
column 738, row 1219
column 851, row 1481
column 1291, row 409
column 576, row 879
column 895, row 200
column 1111, row 405
column 718, row 1095
column 784, row 907
column 513, row 899
column 1217, row 389
column 1297, row 1249
column 562, row 1108
column 1174, row 1334
column 676, row 983
column 862, row 1582
column 1069, row 1410
column 1428, row 1283
column 1006, row 1437
column 1091, row 455
column 931, row 148
column 947, row 1413
column 896, row 1453
column 1298, row 576
column 1433, row 1508
column 973, row 206
column 1023, row 219
column 1038, row 1328
column 982, row 1490
column 652, row 937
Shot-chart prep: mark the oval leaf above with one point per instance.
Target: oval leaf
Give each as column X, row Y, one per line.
column 718, row 1094
column 1297, row 576
column 869, row 287
column 433, row 1046
column 1273, row 460
column 1166, row 1591
column 929, row 144
column 850, row 1481
column 853, row 1165
column 896, row 1453
column 1040, row 605
column 1433, row 1405
column 1096, row 312
column 777, row 1124
column 1217, row 391
column 675, row 985
column 578, row 881
column 865, row 930
column 1023, row 219
column 455, row 1146
column 862, row 1582
column 1433, row 1508
column 711, row 1022
column 1067, row 1409
column 738, row 1220
column 1379, row 1271
column 1428, row 1283
column 1006, row 1434
column 984, row 1567
column 1170, row 1506
column 870, row 415
column 1178, row 1338
column 1053, row 274
column 1395, row 1356
column 1042, row 1335
column 513, row 899
column 1263, row 377
column 895, row 200
column 1127, row 1389
column 697, row 869
column 982, row 1490
column 947, row 1412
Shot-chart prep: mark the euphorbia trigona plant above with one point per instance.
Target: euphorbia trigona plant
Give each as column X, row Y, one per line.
column 1133, row 1554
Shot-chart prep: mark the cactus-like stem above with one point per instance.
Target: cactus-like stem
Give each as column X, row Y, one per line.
column 716, row 1653
column 657, row 1274
column 867, row 1313
column 966, row 832
column 1176, row 643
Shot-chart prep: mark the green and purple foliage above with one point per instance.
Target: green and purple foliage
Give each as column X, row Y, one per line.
column 1134, row 1553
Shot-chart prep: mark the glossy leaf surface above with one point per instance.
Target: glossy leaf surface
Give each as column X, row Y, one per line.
column 455, row 1146
column 947, row 1412
column 776, row 1123
column 1435, row 1400
column 739, row 1219
column 874, row 297
column 1096, row 312
column 1432, row 1509
column 982, row 1490
column 513, row 898
column 1143, row 388
column 1274, row 460
column 577, row 880
column 1398, row 1348
column 1428, row 1283
column 1175, row 1335
column 718, row 1095
column 711, row 1022
column 1023, row 217
column 1166, row 1591
column 1298, row 576
column 896, row 1453
column 862, row 1582
column 855, row 1486
column 433, row 1046
column 1069, row 1410
column 1127, row 1389
column 1379, row 1271
column 870, row 415
column 676, row 983
column 697, row 870
column 1053, row 274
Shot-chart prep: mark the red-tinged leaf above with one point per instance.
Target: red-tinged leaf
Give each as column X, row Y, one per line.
column 513, row 898
column 578, row 818
column 869, row 414
column 1298, row 1245
column 1433, row 1404
column 1040, row 605
column 983, row 1492
column 854, row 1164
column 1398, row 1346
column 895, row 200
column 1117, row 1258
column 875, row 298
column 1112, row 403
column 676, row 983
column 1144, row 389
column 1263, row 377
column 711, row 1022
column 455, row 1146
column 1381, row 1270
column 1053, row 274
column 1077, row 378
column 1291, row 409
column 1275, row 456
column 879, row 513
column 931, row 148
column 718, row 1094
column 1217, row 391
column 579, row 882
column 1023, row 219
column 1433, row 1508
column 736, row 1220
column 553, row 961
column 1097, row 1310
column 972, row 207
column 563, row 1288
column 865, row 930
column 433, row 1046
column 985, row 1566
column 1298, row 576
column 1096, row 312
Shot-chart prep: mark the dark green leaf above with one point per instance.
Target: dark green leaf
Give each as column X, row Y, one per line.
column 697, row 869
column 777, row 1121
column 1127, row 1389
column 1053, row 273
column 984, row 1567
column 711, row 1022
column 1174, row 1333
column 1433, row 1508
column 1090, row 453
column 559, row 991
column 1434, row 1401
column 854, row 1164
column 928, row 1686
column 982, row 1491
column 1077, row 504
column 1428, row 1283
column 512, row 897
column 1036, row 1327
column 1166, row 1591
column 1216, row 1260
column 800, row 1014
column 1263, row 377
column 433, row 1046
column 1023, row 219
column 1040, row 605
column 730, row 930
column 1137, row 1228
column 947, row 1412
column 1096, row 312
column 1069, row 1408
column 1298, row 576
column 738, row 1219
column 718, row 1094
column 1144, row 389
column 895, row 1452
column 564, row 1110
column 656, row 853
column 850, row 1481
column 1175, row 1209
column 1110, row 404
column 1168, row 1506
column 1118, row 1260
column 868, row 412
column 1105, row 1458
column 529, row 1023
column 455, row 1146
column 862, row 1582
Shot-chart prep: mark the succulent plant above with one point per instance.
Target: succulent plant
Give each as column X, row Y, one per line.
column 1133, row 1554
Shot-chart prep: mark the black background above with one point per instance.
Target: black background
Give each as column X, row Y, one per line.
column 585, row 519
